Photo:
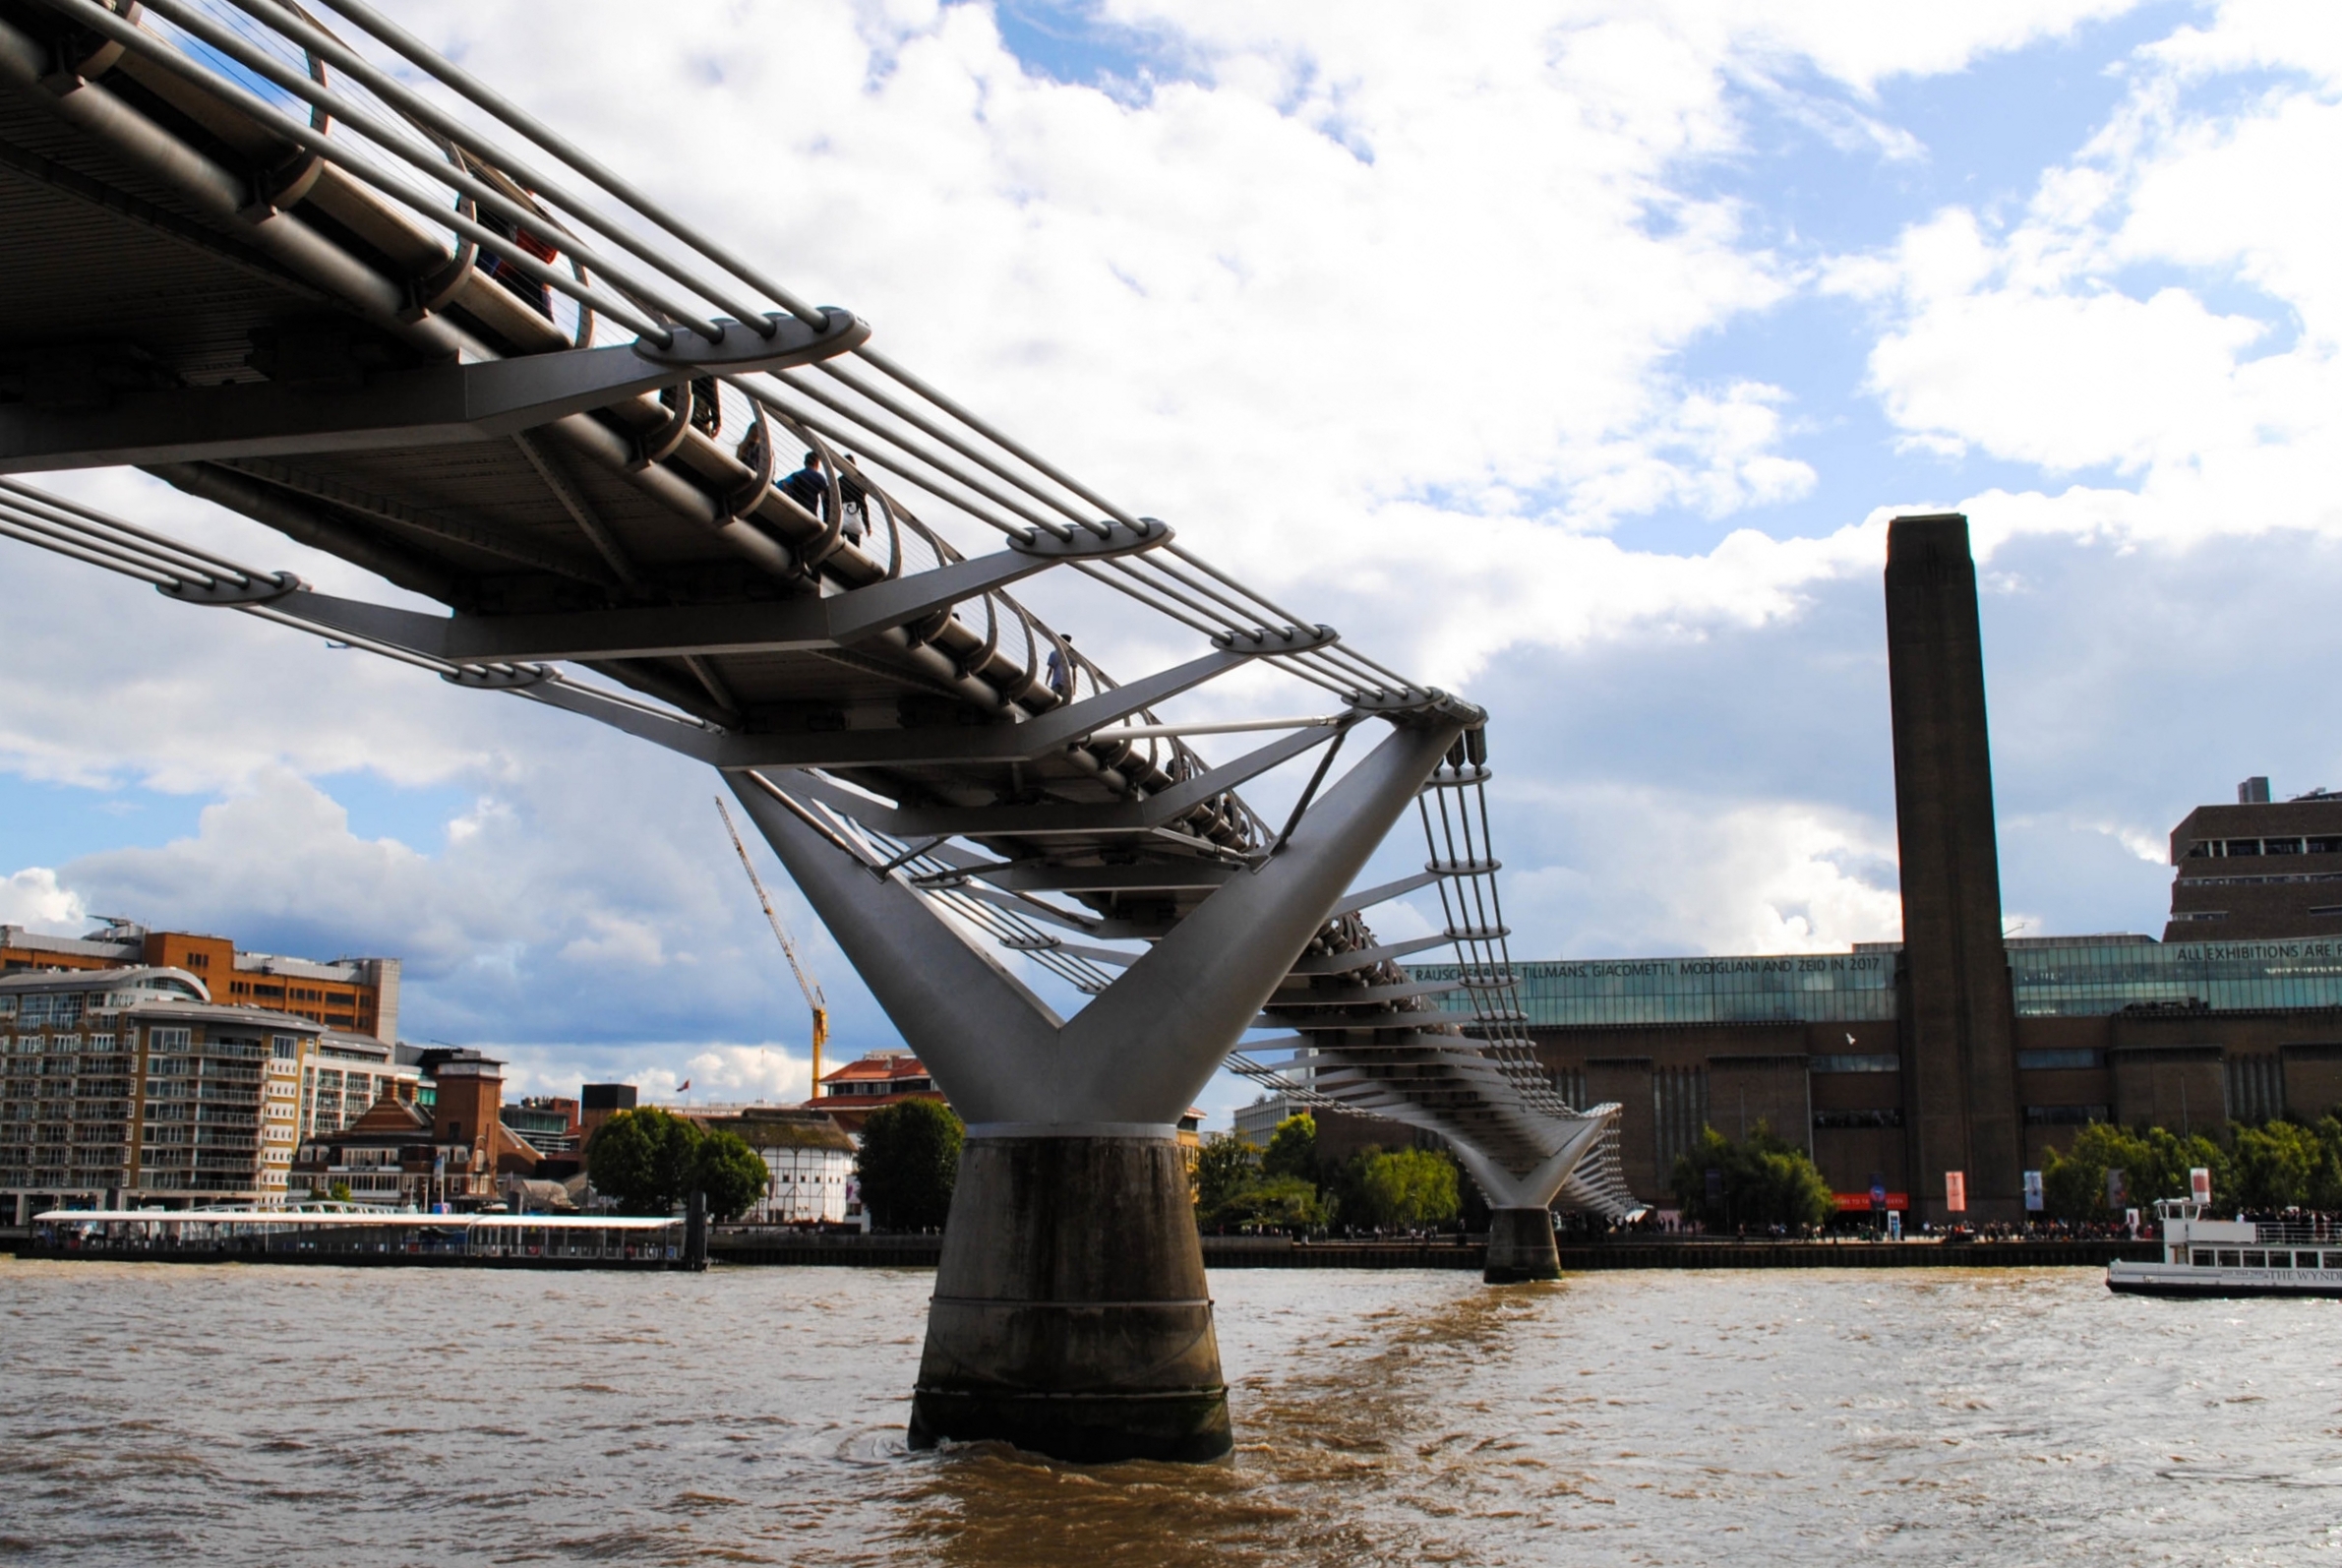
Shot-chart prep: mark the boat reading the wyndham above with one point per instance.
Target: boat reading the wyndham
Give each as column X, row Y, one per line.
column 2233, row 1257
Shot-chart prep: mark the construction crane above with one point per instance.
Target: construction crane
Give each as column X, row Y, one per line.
column 806, row 983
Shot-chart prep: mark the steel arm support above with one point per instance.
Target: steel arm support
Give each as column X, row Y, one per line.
column 1141, row 1050
column 433, row 404
column 662, row 630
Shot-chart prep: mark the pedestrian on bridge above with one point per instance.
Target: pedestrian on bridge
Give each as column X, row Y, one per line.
column 808, row 487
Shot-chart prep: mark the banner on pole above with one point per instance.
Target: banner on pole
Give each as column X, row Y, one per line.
column 1956, row 1191
column 2033, row 1194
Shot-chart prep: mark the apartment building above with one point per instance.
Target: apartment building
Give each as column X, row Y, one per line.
column 132, row 1085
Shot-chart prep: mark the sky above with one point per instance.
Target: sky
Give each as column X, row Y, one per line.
column 1571, row 357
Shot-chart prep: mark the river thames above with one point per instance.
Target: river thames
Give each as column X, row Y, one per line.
column 245, row 1414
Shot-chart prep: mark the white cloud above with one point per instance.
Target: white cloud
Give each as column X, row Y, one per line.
column 33, row 898
column 2166, row 309
column 616, row 940
column 1652, row 869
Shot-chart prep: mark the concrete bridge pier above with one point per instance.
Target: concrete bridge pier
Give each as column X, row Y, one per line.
column 1521, row 1213
column 1071, row 1316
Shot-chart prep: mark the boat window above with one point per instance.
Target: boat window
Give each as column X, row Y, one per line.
column 2231, row 1260
column 2203, row 1261
column 2333, row 1260
column 2256, row 1260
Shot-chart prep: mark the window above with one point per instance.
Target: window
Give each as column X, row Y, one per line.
column 2063, row 1115
column 2244, row 846
column 2203, row 1259
column 2200, row 914
column 1877, row 1061
column 1858, row 1118
column 2325, row 910
column 159, row 1039
column 2058, row 1061
column 284, row 1047
column 2326, row 846
column 2280, row 846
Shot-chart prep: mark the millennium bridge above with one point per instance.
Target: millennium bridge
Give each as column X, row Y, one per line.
column 294, row 263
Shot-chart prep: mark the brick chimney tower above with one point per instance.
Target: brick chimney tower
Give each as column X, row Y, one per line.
column 1957, row 1004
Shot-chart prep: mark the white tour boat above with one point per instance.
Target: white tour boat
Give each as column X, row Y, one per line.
column 2233, row 1257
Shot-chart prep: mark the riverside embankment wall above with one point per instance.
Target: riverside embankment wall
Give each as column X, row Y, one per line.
column 742, row 1246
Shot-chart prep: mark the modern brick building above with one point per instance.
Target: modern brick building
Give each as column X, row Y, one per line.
column 358, row 996
column 2258, row 869
column 1956, row 1051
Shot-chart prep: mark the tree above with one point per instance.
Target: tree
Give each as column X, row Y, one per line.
column 1224, row 1167
column 2154, row 1163
column 1292, row 1148
column 908, row 1165
column 1284, row 1202
column 2325, row 1183
column 645, row 1160
column 1762, row 1182
column 1408, row 1187
column 2278, row 1166
column 731, row 1174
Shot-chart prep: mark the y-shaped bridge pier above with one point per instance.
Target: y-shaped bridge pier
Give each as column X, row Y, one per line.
column 309, row 270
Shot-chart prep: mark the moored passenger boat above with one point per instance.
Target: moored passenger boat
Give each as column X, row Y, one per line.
column 2233, row 1257
column 359, row 1238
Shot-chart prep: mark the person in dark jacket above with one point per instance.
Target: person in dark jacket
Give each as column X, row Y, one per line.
column 808, row 487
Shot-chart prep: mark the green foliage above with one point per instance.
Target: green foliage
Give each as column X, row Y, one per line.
column 1765, row 1181
column 1292, row 1148
column 909, row 1163
column 1406, row 1187
column 2325, row 1183
column 651, row 1161
column 1237, row 1185
column 2278, row 1165
column 338, row 1190
column 2154, row 1165
column 643, row 1160
column 1224, row 1167
column 1280, row 1202
column 730, row 1173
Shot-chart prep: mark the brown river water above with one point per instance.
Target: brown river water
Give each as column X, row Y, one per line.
column 159, row 1414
